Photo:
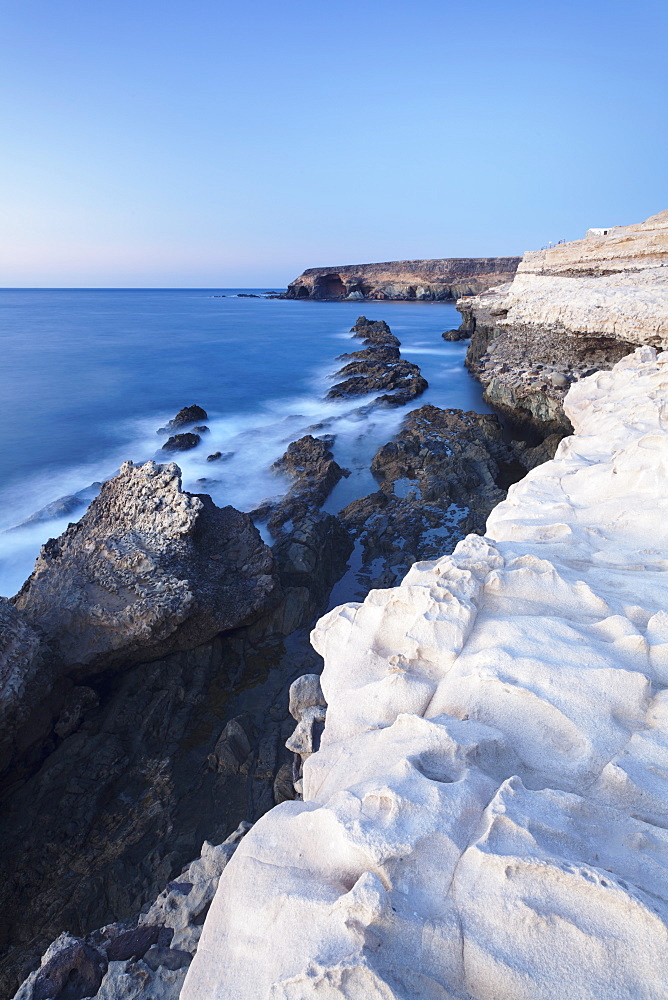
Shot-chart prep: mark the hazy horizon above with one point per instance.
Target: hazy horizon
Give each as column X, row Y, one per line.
column 212, row 146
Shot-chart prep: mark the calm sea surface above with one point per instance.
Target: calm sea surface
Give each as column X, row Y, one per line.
column 88, row 376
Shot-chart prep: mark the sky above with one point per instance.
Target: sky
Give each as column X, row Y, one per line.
column 159, row 143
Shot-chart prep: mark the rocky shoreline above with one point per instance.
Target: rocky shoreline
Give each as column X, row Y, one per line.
column 486, row 813
column 162, row 636
column 125, row 717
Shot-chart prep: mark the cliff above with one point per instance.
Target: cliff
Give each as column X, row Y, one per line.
column 487, row 814
column 448, row 278
column 571, row 309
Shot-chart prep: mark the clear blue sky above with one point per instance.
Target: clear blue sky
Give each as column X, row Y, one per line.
column 210, row 143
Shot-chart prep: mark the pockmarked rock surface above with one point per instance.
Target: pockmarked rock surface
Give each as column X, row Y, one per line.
column 446, row 278
column 148, row 570
column 571, row 309
column 487, row 815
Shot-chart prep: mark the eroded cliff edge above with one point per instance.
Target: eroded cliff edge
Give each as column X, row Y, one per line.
column 488, row 813
column 446, row 278
column 569, row 310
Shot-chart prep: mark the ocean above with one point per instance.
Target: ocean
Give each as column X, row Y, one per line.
column 88, row 376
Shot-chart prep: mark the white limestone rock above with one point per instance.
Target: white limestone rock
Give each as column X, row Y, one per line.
column 613, row 286
column 487, row 815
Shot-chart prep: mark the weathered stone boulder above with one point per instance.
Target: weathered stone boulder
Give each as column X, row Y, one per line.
column 181, row 442
column 147, row 571
column 188, row 415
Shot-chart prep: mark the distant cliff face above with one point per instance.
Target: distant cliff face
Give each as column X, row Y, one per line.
column 404, row 279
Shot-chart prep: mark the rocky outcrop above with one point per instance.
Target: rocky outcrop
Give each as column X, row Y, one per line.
column 181, row 442
column 446, row 278
column 378, row 367
column 25, row 681
column 187, row 415
column 311, row 466
column 148, row 570
column 487, row 813
column 131, row 764
column 147, row 956
column 570, row 309
column 439, row 479
column 310, row 558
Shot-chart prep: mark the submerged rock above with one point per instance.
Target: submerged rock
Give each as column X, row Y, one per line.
column 148, row 570
column 62, row 507
column 452, row 335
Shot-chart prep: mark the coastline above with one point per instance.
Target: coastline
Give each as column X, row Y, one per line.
column 442, row 475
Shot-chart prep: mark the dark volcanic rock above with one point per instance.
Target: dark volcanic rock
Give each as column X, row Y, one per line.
column 309, row 462
column 181, row 442
column 146, row 571
column 25, row 681
column 121, row 805
column 151, row 956
column 188, row 415
column 439, row 479
column 378, row 367
column 72, row 971
column 374, row 331
column 310, row 559
column 458, row 334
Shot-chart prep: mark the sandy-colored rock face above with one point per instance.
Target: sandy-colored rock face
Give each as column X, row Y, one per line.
column 613, row 286
column 446, row 278
column 146, row 571
column 487, row 815
column 578, row 306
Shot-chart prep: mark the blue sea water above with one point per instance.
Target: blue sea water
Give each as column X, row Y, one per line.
column 88, row 376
